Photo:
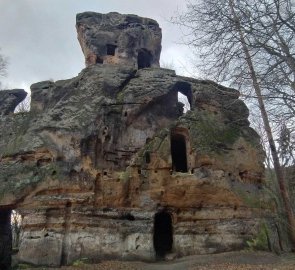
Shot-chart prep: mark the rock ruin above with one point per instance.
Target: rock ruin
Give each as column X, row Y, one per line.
column 119, row 39
column 108, row 165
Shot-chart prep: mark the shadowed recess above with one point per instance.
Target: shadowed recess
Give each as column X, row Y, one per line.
column 178, row 152
column 163, row 234
column 5, row 239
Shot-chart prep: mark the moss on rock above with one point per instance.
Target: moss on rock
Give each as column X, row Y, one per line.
column 260, row 240
column 208, row 133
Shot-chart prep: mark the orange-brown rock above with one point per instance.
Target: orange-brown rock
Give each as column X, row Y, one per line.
column 107, row 164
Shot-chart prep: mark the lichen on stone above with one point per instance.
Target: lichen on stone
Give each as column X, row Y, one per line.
column 101, row 155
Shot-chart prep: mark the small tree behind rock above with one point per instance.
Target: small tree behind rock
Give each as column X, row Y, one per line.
column 16, row 227
column 3, row 66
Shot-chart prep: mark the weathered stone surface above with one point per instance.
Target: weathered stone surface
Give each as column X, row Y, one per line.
column 119, row 39
column 91, row 165
column 9, row 99
column 104, row 157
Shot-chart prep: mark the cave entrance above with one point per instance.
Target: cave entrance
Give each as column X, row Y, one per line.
column 5, row 239
column 178, row 152
column 144, row 59
column 163, row 234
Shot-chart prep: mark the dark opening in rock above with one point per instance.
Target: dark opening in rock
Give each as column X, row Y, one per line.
column 111, row 49
column 147, row 157
column 127, row 216
column 144, row 59
column 5, row 239
column 163, row 234
column 178, row 152
column 99, row 60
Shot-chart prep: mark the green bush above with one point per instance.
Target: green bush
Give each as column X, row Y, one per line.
column 260, row 242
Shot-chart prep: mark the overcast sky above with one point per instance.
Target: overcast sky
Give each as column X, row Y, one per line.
column 39, row 36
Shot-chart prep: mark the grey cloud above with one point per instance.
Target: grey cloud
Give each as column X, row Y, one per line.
column 39, row 36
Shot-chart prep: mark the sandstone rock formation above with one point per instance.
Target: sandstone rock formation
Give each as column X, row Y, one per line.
column 119, row 39
column 9, row 99
column 107, row 165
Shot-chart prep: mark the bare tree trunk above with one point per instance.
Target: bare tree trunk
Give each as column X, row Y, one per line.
column 274, row 153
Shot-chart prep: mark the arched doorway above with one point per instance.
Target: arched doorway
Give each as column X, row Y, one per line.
column 163, row 234
column 144, row 59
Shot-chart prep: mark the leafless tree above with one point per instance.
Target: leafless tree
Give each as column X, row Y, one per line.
column 16, row 226
column 3, row 66
column 168, row 65
column 250, row 44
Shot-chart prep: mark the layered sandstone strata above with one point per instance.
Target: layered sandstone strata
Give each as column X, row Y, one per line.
column 108, row 164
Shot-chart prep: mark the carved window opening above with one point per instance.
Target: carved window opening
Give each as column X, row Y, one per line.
column 163, row 234
column 178, row 152
column 147, row 157
column 184, row 100
column 184, row 95
column 111, row 49
column 144, row 59
column 5, row 239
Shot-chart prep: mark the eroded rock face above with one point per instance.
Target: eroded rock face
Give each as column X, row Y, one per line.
column 119, row 39
column 107, row 165
column 92, row 164
column 9, row 99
